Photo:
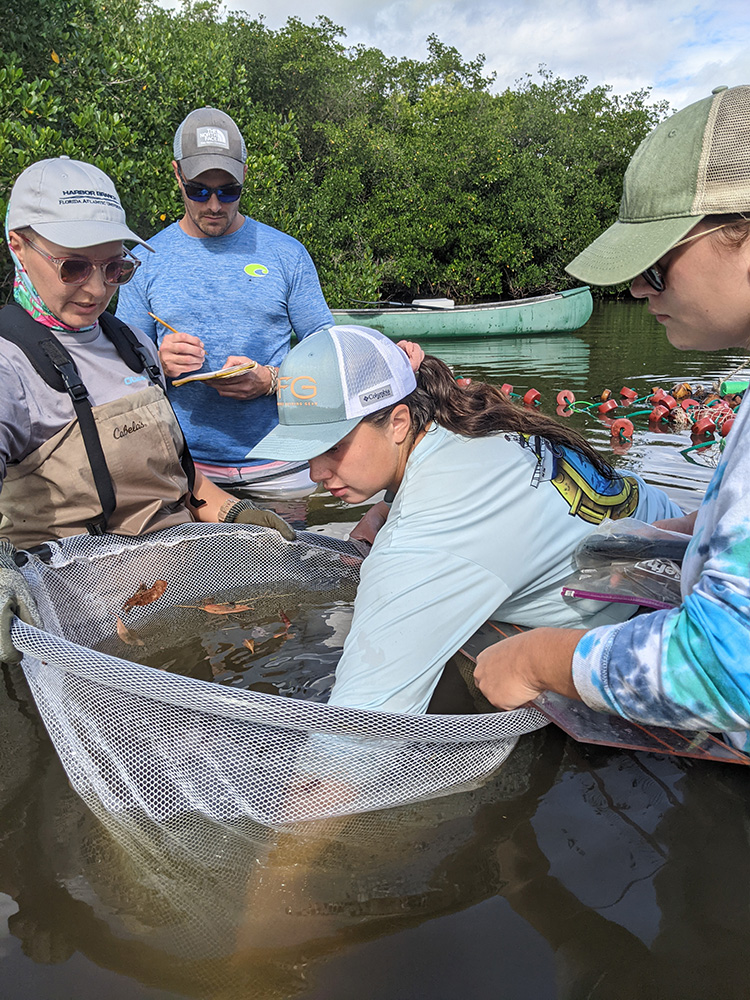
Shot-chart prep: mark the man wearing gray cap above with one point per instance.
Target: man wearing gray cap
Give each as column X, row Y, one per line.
column 234, row 291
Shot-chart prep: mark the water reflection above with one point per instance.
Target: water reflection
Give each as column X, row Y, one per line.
column 490, row 358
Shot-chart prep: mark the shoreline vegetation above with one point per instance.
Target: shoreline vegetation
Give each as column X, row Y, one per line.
column 403, row 178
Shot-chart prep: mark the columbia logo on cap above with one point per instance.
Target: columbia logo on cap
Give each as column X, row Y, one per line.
column 375, row 395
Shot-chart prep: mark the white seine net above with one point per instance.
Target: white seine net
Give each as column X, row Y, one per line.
column 138, row 740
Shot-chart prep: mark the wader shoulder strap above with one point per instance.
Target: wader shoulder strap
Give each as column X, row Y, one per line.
column 56, row 367
column 129, row 347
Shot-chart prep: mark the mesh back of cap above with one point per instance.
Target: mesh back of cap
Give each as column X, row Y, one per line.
column 724, row 173
column 374, row 372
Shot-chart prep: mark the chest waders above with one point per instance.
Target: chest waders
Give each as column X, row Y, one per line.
column 56, row 367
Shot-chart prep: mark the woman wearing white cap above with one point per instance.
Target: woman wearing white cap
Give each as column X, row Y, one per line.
column 683, row 238
column 481, row 522
column 88, row 440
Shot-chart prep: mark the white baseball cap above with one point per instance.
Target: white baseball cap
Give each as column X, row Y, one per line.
column 69, row 202
column 327, row 384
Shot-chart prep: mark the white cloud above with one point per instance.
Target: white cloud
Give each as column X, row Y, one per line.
column 679, row 48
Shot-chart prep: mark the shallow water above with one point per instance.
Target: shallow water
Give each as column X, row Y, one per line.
column 573, row 872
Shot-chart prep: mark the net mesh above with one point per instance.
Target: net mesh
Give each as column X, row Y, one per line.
column 135, row 740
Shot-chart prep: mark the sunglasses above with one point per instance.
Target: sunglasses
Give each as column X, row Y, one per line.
column 655, row 275
column 78, row 270
column 202, row 192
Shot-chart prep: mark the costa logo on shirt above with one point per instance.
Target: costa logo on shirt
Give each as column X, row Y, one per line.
column 301, row 386
column 256, row 270
column 127, row 429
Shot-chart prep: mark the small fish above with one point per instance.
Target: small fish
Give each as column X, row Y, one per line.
column 145, row 595
column 225, row 608
column 128, row 637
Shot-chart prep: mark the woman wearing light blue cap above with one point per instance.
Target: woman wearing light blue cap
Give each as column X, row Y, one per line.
column 683, row 239
column 481, row 521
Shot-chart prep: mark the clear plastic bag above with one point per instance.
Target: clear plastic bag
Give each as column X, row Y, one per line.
column 629, row 562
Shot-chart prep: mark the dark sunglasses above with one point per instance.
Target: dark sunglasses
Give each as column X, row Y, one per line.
column 202, row 192
column 655, row 274
column 78, row 270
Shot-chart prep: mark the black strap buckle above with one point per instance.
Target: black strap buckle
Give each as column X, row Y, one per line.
column 75, row 387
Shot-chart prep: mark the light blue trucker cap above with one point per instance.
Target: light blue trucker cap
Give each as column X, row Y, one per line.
column 327, row 384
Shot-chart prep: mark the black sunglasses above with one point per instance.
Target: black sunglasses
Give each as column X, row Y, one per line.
column 202, row 192
column 654, row 275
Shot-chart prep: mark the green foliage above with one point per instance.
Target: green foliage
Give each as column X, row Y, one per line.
column 402, row 177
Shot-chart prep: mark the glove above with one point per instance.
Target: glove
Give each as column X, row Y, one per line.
column 15, row 599
column 245, row 512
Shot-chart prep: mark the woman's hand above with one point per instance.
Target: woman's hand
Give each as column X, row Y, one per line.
column 682, row 524
column 414, row 353
column 517, row 670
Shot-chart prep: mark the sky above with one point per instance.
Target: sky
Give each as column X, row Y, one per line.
column 680, row 49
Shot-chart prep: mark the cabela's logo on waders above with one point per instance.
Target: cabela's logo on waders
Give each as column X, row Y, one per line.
column 126, row 429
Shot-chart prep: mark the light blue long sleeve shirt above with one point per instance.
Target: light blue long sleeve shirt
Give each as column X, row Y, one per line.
column 474, row 533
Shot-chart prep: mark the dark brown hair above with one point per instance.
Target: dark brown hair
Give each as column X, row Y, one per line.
column 480, row 409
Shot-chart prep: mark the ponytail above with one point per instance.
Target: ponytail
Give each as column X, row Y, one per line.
column 479, row 409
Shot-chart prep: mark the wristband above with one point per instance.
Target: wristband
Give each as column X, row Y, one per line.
column 231, row 509
column 274, row 386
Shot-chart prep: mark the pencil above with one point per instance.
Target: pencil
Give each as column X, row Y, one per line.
column 154, row 316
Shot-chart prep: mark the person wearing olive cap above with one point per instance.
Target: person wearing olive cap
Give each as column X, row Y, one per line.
column 88, row 440
column 683, row 239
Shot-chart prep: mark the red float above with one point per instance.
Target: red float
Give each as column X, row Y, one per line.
column 621, row 428
column 607, row 406
column 658, row 413
column 628, row 394
column 507, row 389
column 704, row 425
column 532, row 396
column 565, row 397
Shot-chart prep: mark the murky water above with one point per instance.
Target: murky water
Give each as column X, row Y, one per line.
column 573, row 872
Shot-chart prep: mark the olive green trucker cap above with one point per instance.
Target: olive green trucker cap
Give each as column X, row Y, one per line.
column 696, row 163
column 327, row 384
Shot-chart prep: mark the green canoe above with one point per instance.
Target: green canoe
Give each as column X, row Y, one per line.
column 559, row 312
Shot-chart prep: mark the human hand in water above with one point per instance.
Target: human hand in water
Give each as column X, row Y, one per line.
column 180, row 353
column 249, row 385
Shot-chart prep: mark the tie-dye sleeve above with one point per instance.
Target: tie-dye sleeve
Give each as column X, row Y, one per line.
column 688, row 667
